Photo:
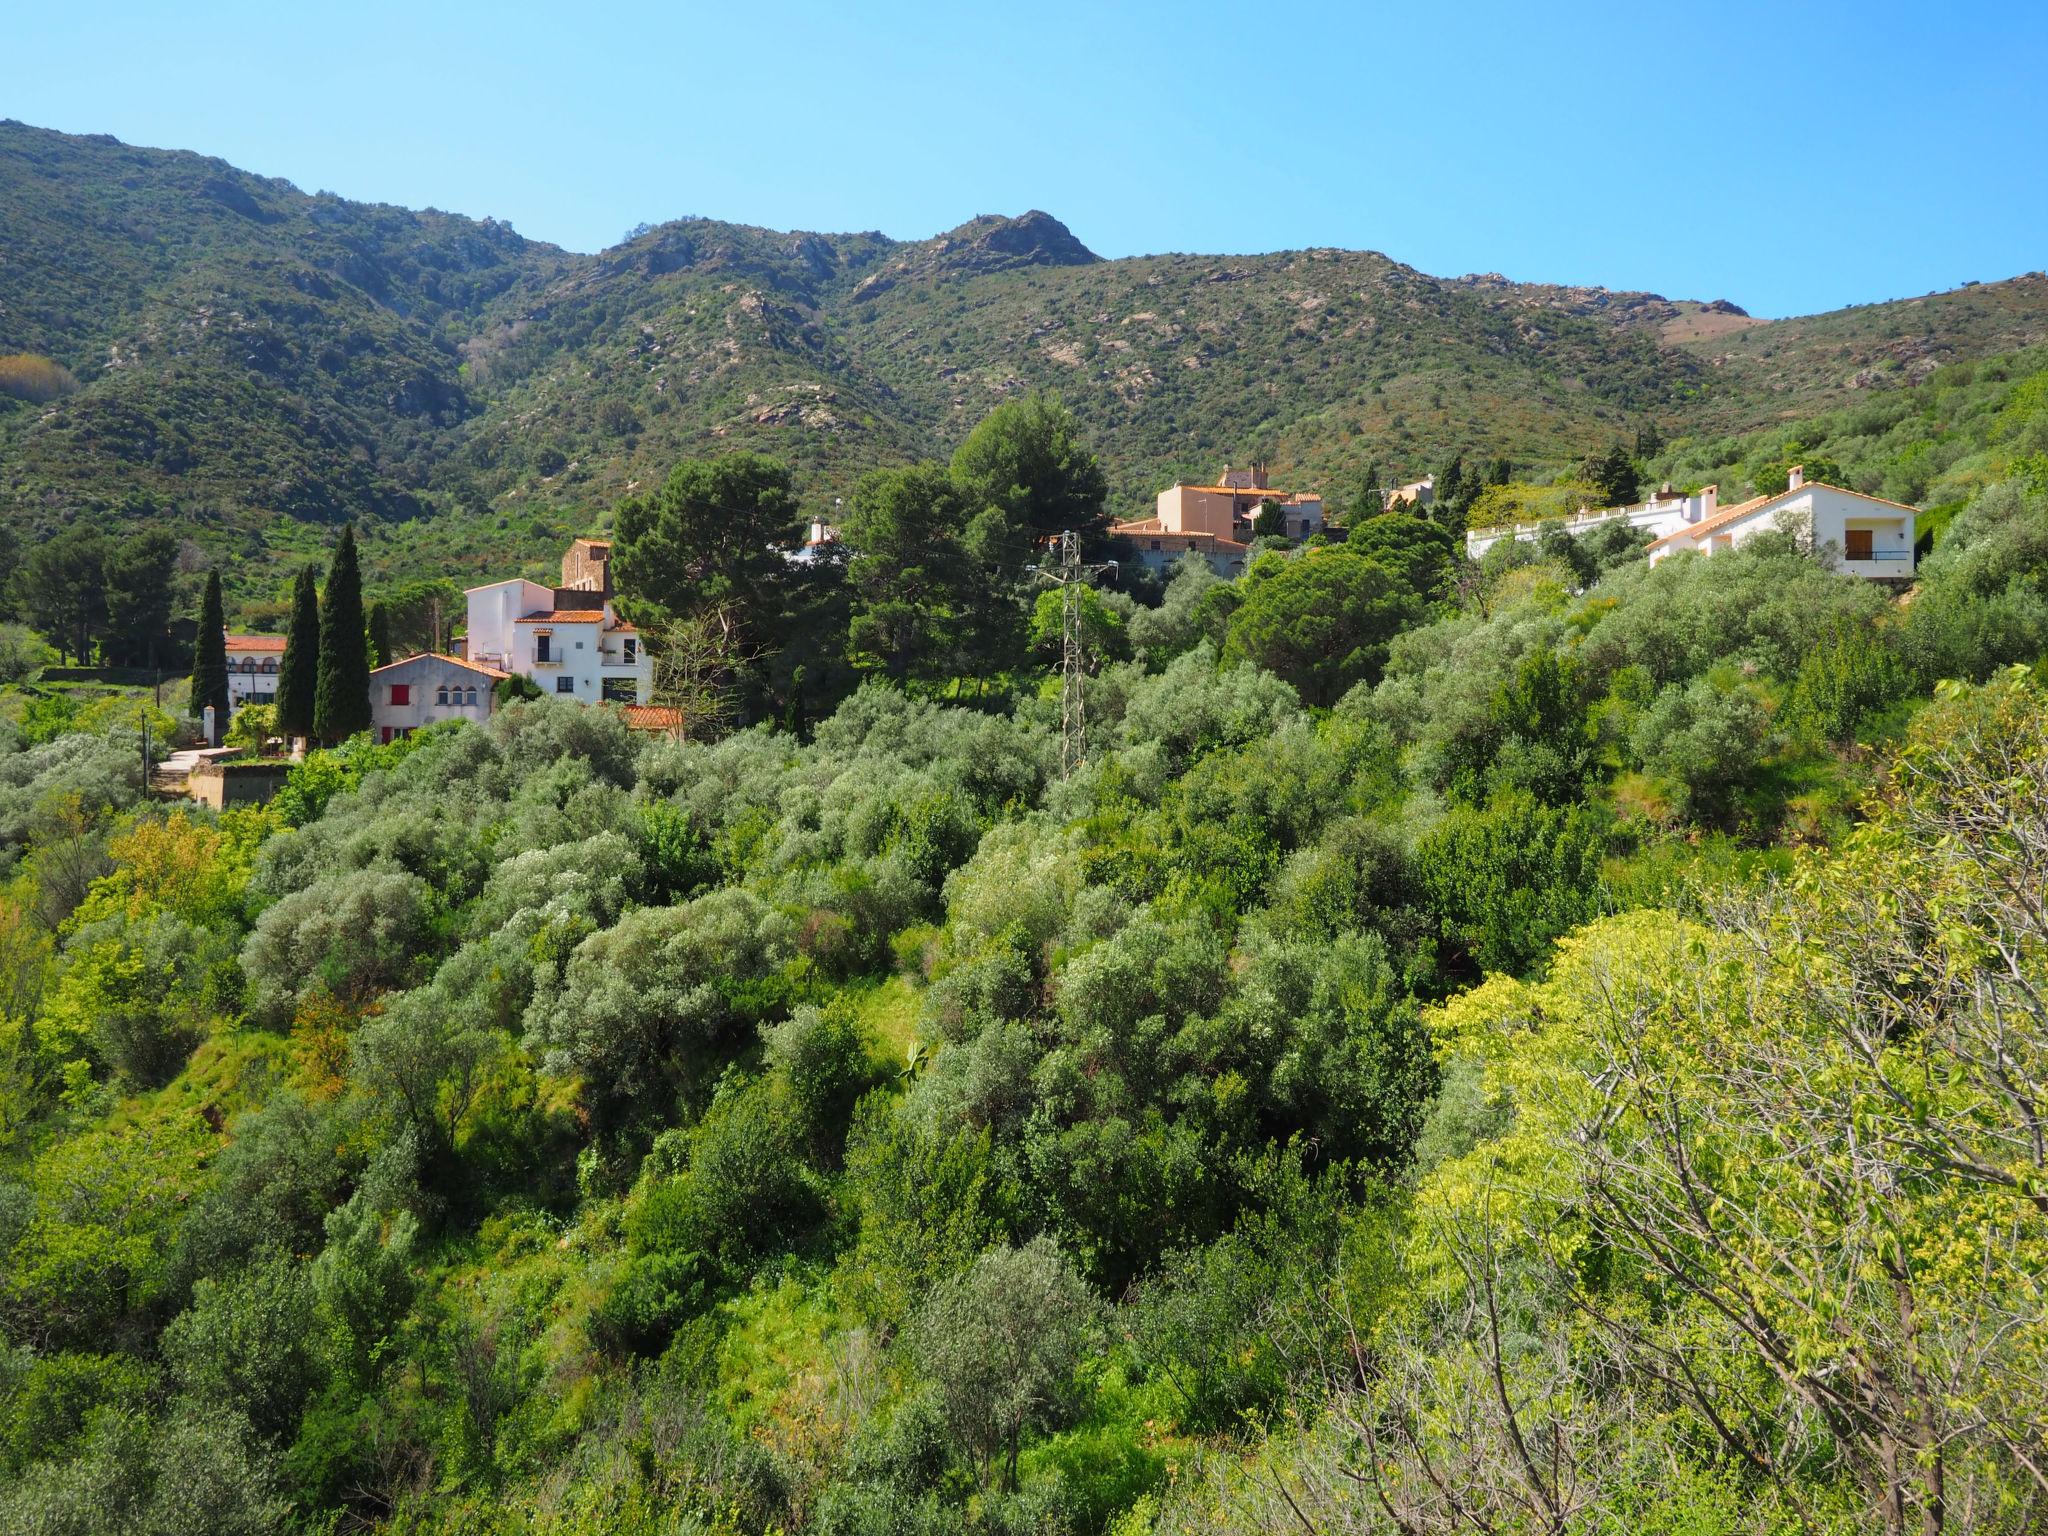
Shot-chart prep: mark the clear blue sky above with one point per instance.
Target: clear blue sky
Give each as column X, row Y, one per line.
column 1790, row 157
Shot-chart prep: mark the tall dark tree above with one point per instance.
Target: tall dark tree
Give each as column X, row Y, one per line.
column 1027, row 460
column 136, row 576
column 714, row 538
column 381, row 642
column 298, row 679
column 1369, row 500
column 1612, row 474
column 210, row 657
column 341, row 697
column 61, row 590
column 913, row 585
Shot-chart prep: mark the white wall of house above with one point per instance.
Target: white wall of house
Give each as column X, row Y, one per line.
column 494, row 611
column 253, row 661
column 422, row 690
column 1861, row 535
column 589, row 655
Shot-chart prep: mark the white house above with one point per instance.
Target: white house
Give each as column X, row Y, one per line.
column 1864, row 535
column 567, row 639
column 1867, row 536
column 422, row 690
column 253, row 661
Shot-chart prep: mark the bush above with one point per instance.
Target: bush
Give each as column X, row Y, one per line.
column 248, row 1343
column 1001, row 1343
column 355, row 934
column 1706, row 739
column 1508, row 880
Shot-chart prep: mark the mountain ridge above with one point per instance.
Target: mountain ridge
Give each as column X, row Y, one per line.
column 257, row 363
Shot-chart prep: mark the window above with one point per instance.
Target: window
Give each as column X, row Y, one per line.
column 621, row 690
column 441, row 695
column 565, row 685
column 469, row 698
column 630, row 649
column 270, row 663
column 579, row 645
column 1856, row 543
column 401, row 693
column 541, row 643
column 1155, row 544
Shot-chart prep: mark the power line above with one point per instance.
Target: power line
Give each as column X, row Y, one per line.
column 1070, row 575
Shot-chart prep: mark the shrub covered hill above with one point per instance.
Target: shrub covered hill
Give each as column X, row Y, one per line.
column 248, row 364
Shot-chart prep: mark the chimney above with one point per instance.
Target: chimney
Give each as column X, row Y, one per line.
column 1797, row 477
column 1710, row 496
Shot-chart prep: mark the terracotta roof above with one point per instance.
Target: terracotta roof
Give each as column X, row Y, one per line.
column 591, row 543
column 564, row 616
column 1150, row 527
column 651, row 717
column 1282, row 497
column 255, row 642
column 454, row 661
column 1743, row 509
column 621, row 627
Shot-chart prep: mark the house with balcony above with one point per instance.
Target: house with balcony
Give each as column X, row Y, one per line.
column 1865, row 536
column 1215, row 521
column 567, row 639
column 1862, row 535
column 253, row 661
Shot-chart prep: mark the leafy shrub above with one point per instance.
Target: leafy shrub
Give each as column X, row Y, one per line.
column 1509, row 879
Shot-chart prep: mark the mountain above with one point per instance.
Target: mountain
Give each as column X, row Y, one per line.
column 255, row 363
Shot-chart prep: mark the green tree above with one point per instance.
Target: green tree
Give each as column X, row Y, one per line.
column 210, row 657
column 1027, row 459
column 912, row 582
column 1368, row 500
column 1323, row 622
column 1271, row 522
column 715, row 537
column 136, row 573
column 1001, row 1341
column 1426, row 554
column 341, row 696
column 298, row 677
column 1612, row 474
column 382, row 645
column 60, row 589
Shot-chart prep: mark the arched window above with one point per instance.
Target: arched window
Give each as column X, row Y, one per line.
column 469, row 698
column 441, row 696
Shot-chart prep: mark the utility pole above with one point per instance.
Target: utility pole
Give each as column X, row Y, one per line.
column 1070, row 575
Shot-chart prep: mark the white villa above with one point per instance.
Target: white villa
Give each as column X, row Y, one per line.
column 253, row 661
column 566, row 639
column 1866, row 535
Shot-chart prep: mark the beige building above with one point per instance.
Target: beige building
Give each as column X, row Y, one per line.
column 1216, row 520
column 427, row 689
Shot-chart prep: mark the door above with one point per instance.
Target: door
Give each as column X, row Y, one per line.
column 1856, row 543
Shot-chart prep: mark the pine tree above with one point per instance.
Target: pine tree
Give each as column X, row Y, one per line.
column 299, row 676
column 341, row 698
column 210, row 657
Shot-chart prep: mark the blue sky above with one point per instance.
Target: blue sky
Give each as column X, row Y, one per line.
column 1789, row 157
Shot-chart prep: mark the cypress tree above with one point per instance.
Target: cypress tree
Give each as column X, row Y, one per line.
column 380, row 634
column 341, row 698
column 299, row 675
column 210, row 657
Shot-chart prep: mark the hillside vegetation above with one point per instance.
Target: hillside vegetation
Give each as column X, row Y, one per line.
column 255, row 364
column 1536, row 1048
